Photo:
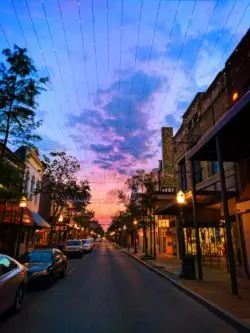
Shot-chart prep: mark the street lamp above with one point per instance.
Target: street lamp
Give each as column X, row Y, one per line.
column 135, row 223
column 60, row 218
column 181, row 200
column 22, row 205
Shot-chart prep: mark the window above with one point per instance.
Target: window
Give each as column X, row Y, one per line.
column 27, row 183
column 6, row 265
column 183, row 176
column 32, row 187
column 37, row 188
column 197, row 172
column 214, row 167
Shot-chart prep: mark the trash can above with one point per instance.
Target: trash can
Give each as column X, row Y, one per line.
column 188, row 268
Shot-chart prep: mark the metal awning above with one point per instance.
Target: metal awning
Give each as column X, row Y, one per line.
column 233, row 131
column 39, row 221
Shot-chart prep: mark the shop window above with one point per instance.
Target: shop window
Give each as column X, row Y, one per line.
column 183, row 176
column 214, row 167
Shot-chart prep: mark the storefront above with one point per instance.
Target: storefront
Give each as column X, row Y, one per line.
column 16, row 229
column 167, row 238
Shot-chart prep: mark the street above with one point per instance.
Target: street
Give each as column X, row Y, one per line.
column 107, row 291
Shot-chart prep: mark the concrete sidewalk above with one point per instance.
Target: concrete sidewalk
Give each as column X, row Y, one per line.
column 215, row 288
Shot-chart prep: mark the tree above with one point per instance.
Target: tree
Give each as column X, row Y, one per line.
column 60, row 184
column 20, row 86
column 142, row 186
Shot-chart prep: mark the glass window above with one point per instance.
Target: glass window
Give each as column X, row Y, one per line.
column 73, row 243
column 27, row 183
column 214, row 167
column 37, row 256
column 6, row 265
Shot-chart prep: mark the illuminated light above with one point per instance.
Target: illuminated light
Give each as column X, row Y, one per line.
column 235, row 96
column 23, row 202
column 60, row 218
column 180, row 198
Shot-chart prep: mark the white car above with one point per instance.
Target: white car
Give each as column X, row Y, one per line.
column 13, row 281
column 87, row 245
column 74, row 247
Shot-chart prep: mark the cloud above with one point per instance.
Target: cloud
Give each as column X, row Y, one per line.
column 124, row 122
column 49, row 144
column 143, row 53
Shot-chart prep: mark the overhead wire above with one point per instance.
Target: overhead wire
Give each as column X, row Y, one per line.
column 120, row 62
column 194, row 59
column 135, row 62
column 151, row 48
column 45, row 65
column 158, row 82
column 178, row 58
column 5, row 35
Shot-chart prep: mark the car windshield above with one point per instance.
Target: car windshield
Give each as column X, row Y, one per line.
column 37, row 256
column 85, row 241
column 73, row 243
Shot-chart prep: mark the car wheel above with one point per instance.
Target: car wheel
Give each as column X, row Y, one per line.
column 18, row 302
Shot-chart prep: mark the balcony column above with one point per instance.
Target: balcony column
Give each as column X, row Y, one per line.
column 196, row 226
column 230, row 251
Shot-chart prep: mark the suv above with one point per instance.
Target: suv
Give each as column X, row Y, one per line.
column 74, row 247
column 13, row 281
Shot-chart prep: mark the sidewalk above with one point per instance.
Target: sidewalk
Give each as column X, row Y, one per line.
column 215, row 288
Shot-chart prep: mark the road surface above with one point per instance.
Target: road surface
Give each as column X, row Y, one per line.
column 109, row 292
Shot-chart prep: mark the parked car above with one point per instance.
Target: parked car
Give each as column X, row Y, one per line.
column 13, row 281
column 44, row 265
column 87, row 245
column 74, row 247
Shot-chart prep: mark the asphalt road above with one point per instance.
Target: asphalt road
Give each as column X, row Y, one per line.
column 108, row 292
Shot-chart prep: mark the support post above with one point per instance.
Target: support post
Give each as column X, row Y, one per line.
column 196, row 227
column 230, row 251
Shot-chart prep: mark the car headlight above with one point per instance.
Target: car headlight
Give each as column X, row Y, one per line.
column 43, row 272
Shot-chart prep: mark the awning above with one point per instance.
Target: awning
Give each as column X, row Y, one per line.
column 233, row 131
column 205, row 198
column 39, row 221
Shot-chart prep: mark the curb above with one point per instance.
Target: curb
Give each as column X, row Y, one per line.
column 219, row 312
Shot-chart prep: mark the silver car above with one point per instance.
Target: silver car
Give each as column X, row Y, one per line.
column 13, row 281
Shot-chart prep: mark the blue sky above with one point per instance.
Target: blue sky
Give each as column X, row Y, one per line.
column 116, row 79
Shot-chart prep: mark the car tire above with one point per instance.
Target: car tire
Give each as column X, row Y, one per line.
column 18, row 301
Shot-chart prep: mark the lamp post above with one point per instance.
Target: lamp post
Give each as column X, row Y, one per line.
column 135, row 223
column 22, row 205
column 124, row 237
column 180, row 198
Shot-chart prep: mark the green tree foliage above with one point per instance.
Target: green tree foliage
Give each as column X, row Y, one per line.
column 61, row 185
column 20, row 86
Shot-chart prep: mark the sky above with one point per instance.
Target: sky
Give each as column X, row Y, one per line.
column 119, row 70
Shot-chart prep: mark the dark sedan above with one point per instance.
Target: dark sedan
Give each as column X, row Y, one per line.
column 45, row 265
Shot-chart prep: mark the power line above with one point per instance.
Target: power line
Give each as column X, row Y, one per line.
column 178, row 58
column 135, row 61
column 83, row 47
column 94, row 41
column 120, row 61
column 151, row 48
column 166, row 52
column 195, row 57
